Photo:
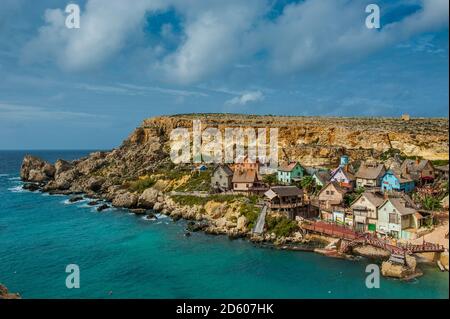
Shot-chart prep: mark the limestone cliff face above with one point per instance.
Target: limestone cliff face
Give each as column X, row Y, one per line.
column 319, row 140
column 310, row 140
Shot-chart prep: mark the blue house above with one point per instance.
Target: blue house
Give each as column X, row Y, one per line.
column 395, row 181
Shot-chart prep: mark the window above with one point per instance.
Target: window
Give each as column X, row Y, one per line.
column 393, row 218
column 332, row 192
column 327, row 192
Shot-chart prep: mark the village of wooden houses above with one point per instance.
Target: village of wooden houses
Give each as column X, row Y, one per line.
column 394, row 205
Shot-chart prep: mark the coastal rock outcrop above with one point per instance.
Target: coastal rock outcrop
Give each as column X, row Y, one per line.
column 34, row 169
column 4, row 294
column 125, row 200
column 148, row 198
column 62, row 166
column 400, row 271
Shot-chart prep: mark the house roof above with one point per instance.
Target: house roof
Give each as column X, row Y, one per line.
column 245, row 176
column 443, row 168
column 374, row 198
column 370, row 171
column 414, row 166
column 336, row 185
column 323, row 176
column 350, row 176
column 402, row 177
column 399, row 204
column 226, row 169
column 285, row 191
column 288, row 167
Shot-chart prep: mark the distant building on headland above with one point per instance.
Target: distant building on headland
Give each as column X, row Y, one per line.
column 406, row 117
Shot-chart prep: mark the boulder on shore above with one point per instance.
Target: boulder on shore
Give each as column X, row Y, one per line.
column 34, row 169
column 372, row 252
column 75, row 199
column 148, row 198
column 4, row 294
column 125, row 200
column 400, row 271
column 102, row 207
column 32, row 187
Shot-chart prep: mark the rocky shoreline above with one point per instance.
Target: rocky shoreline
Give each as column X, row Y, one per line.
column 5, row 294
column 140, row 177
column 152, row 201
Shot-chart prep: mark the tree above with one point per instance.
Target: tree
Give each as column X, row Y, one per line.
column 360, row 190
column 270, row 179
column 431, row 203
column 307, row 183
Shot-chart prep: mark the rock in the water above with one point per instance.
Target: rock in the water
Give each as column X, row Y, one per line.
column 34, row 169
column 4, row 294
column 102, row 207
column 75, row 199
column 94, row 203
column 195, row 227
column 396, row 270
column 151, row 216
column 32, row 187
column 148, row 198
column 138, row 211
column 126, row 200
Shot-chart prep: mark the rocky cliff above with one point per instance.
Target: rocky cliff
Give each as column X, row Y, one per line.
column 310, row 140
column 321, row 140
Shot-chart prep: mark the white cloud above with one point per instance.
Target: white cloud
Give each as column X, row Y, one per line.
column 246, row 97
column 216, row 38
column 106, row 26
column 314, row 33
column 218, row 35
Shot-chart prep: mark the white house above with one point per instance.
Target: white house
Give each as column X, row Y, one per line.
column 365, row 211
column 397, row 218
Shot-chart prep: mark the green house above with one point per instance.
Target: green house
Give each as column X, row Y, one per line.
column 290, row 172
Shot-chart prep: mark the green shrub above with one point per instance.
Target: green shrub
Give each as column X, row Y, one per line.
column 431, row 203
column 140, row 185
column 251, row 214
column 281, row 226
column 191, row 200
column 439, row 162
column 199, row 181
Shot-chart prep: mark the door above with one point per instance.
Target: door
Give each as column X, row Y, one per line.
column 360, row 227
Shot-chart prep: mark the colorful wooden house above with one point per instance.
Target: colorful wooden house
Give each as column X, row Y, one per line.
column 321, row 178
column 398, row 218
column 369, row 174
column 222, row 178
column 365, row 211
column 330, row 199
column 290, row 172
column 442, row 172
column 246, row 180
column 285, row 199
column 394, row 180
column 421, row 171
column 344, row 177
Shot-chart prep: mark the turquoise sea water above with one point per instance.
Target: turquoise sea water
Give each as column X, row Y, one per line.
column 134, row 258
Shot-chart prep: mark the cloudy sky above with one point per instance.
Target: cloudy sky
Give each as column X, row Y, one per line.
column 88, row 88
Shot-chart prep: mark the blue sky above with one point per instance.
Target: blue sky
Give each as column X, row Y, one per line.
column 88, row 88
